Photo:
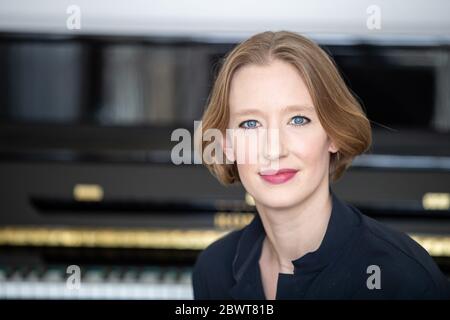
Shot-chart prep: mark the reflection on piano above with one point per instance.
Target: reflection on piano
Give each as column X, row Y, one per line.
column 87, row 181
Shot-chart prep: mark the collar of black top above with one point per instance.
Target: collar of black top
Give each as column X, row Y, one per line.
column 342, row 223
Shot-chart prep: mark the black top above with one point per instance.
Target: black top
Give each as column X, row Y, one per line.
column 345, row 266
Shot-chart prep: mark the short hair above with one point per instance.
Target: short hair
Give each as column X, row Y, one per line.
column 339, row 112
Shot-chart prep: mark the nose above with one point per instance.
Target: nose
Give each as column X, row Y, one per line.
column 274, row 146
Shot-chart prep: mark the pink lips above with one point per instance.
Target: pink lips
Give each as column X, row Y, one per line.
column 279, row 176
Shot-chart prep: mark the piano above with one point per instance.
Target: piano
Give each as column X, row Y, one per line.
column 92, row 206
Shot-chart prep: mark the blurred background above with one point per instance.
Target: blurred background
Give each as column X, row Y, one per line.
column 90, row 92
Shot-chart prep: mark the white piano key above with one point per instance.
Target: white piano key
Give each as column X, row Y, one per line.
column 147, row 283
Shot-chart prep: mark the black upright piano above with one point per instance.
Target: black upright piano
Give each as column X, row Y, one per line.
column 88, row 188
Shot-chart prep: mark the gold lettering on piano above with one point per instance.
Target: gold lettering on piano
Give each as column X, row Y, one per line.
column 437, row 246
column 109, row 238
column 436, row 201
column 232, row 220
column 249, row 199
column 88, row 192
column 195, row 239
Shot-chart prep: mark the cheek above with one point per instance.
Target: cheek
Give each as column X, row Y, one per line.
column 248, row 176
column 246, row 171
column 311, row 149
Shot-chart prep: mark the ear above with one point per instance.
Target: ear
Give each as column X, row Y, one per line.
column 228, row 149
column 332, row 147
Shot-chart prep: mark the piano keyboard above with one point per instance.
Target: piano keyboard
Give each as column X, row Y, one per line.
column 101, row 283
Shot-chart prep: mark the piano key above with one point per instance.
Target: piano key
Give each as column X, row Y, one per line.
column 97, row 283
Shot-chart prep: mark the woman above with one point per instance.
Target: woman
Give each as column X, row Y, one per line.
column 304, row 242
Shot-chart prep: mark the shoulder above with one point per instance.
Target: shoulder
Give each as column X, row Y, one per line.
column 220, row 252
column 397, row 245
column 213, row 273
column 406, row 267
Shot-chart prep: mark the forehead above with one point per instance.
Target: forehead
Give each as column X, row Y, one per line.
column 268, row 88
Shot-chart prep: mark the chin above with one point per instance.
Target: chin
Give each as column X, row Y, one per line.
column 275, row 199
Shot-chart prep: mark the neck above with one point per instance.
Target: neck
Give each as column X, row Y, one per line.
column 293, row 232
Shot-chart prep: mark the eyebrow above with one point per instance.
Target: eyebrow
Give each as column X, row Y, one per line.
column 289, row 108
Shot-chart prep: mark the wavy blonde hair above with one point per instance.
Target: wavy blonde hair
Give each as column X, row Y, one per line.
column 338, row 110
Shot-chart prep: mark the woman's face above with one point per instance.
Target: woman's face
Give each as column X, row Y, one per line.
column 274, row 98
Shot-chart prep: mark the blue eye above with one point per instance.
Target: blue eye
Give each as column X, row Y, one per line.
column 252, row 124
column 299, row 120
column 249, row 124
